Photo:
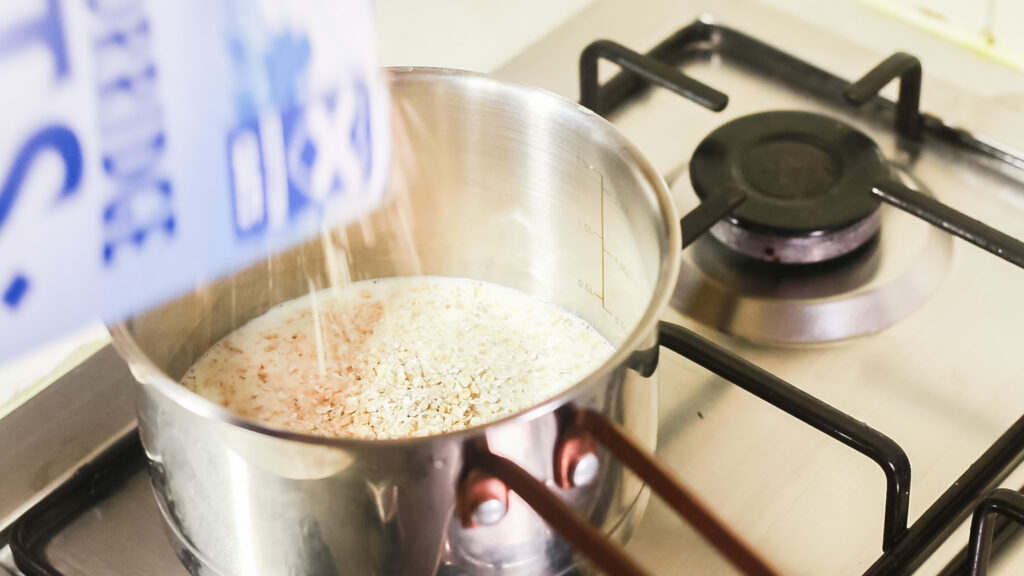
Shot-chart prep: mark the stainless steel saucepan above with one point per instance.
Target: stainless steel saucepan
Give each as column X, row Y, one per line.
column 515, row 186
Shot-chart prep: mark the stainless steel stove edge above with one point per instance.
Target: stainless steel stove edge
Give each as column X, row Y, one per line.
column 67, row 424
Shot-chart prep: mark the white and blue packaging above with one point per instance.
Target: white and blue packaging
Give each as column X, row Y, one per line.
column 147, row 147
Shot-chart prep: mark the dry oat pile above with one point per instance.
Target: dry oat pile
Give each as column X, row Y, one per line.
column 398, row 357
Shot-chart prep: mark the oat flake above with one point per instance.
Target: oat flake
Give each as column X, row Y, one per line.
column 400, row 357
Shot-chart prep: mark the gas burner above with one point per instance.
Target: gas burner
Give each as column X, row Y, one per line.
column 889, row 276
column 807, row 180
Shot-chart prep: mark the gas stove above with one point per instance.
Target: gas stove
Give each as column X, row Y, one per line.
column 848, row 394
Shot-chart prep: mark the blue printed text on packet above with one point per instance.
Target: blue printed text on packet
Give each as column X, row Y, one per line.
column 150, row 146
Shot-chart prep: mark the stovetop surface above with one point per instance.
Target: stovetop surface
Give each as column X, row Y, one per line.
column 942, row 380
column 126, row 526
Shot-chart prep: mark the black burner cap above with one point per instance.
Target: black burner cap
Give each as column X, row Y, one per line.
column 803, row 173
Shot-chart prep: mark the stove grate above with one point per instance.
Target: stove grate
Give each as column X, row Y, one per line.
column 903, row 548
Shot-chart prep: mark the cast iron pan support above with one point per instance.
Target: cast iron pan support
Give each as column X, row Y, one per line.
column 909, row 125
column 654, row 71
column 1002, row 502
column 657, row 72
column 936, row 523
column 956, row 223
column 879, row 448
column 586, row 427
column 1000, row 521
column 699, row 220
column 908, row 69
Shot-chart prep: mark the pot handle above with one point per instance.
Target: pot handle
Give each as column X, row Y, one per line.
column 582, row 430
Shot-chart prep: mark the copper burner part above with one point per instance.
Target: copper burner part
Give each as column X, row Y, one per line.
column 574, row 446
column 476, row 489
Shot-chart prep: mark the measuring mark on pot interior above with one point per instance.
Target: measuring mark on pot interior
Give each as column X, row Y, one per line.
column 606, row 252
column 603, row 250
column 585, row 286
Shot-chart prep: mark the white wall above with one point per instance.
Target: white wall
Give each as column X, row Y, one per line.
column 475, row 35
column 954, row 31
